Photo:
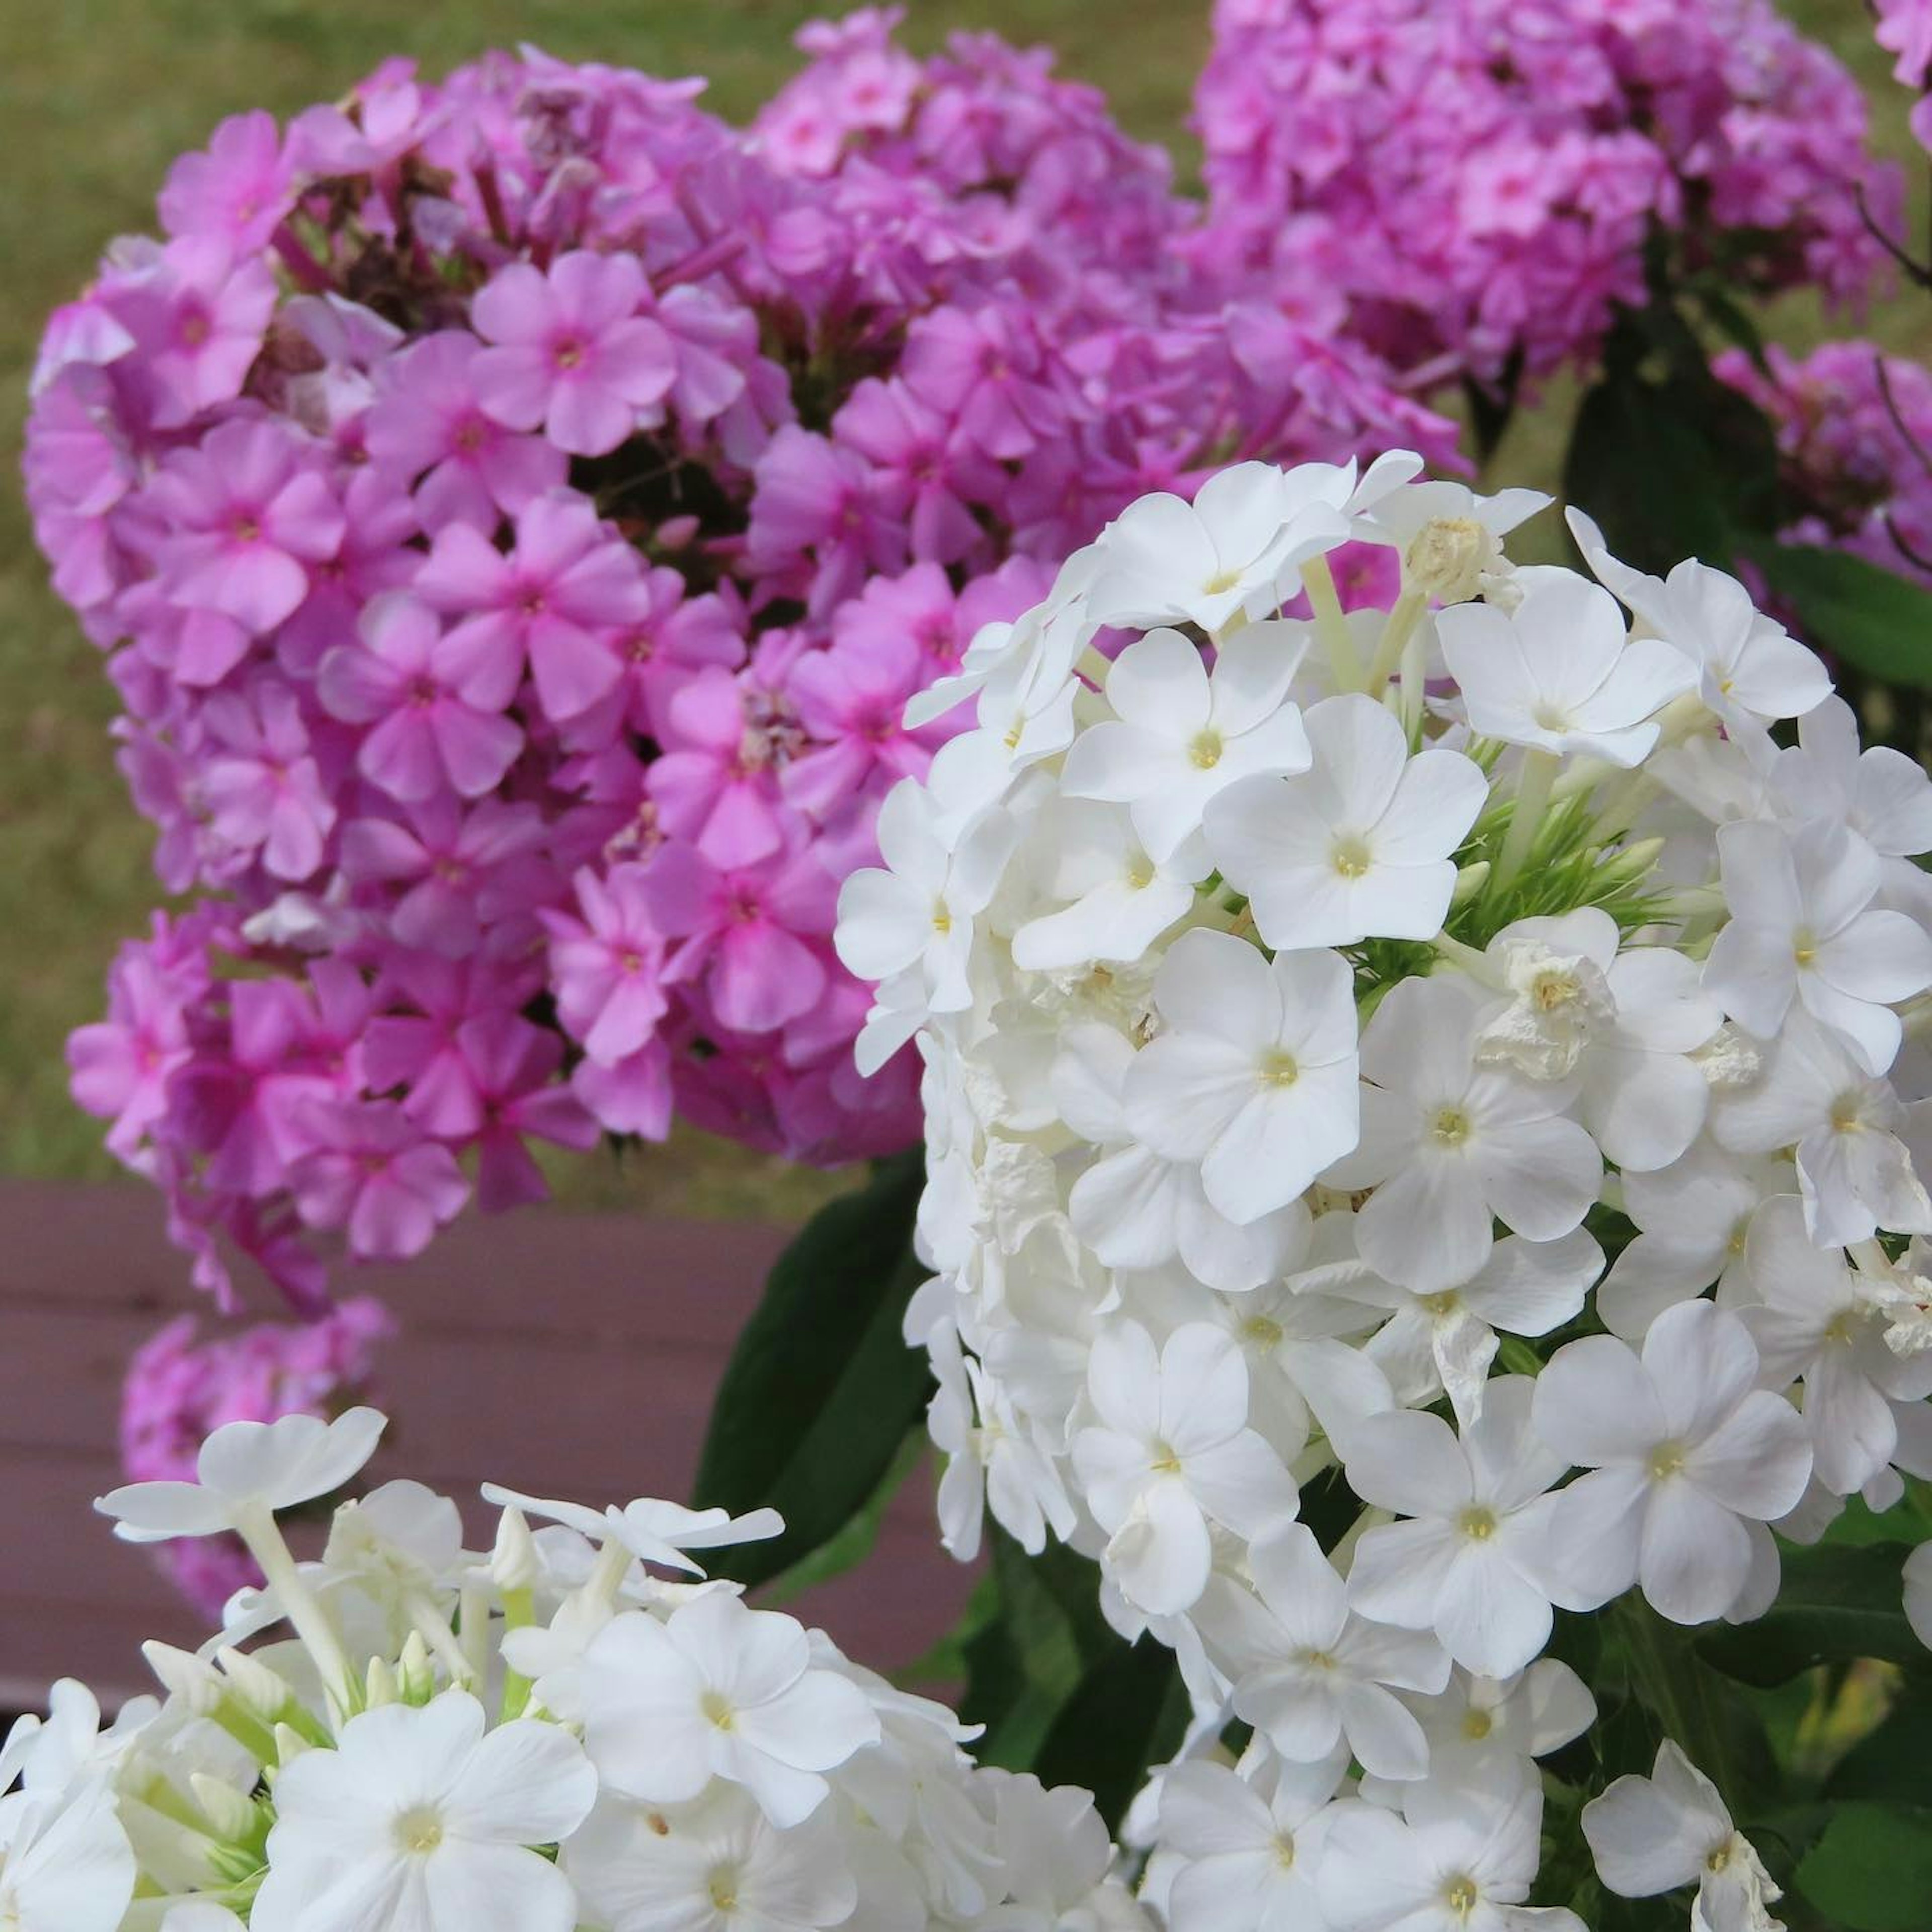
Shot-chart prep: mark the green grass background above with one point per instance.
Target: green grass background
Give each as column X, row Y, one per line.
column 96, row 96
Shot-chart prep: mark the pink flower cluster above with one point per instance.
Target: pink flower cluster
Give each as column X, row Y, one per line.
column 179, row 1389
column 517, row 510
column 1469, row 186
column 1854, row 428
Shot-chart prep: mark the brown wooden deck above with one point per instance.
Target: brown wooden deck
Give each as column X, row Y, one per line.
column 570, row 1355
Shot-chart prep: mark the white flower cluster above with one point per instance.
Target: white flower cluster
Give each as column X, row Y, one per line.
column 1303, row 1002
column 570, row 1730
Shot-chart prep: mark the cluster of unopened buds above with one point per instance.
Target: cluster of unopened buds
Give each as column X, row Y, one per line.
column 1311, row 1003
column 518, row 509
column 572, row 1729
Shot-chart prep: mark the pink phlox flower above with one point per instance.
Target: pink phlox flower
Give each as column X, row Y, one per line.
column 432, row 432
column 752, row 938
column 374, row 555
column 403, row 678
column 249, row 512
column 459, row 872
column 571, row 351
column 237, row 190
column 926, row 476
column 816, row 529
column 606, row 962
column 264, row 791
column 199, row 314
column 514, row 1067
column 715, row 784
column 371, row 1172
column 551, row 603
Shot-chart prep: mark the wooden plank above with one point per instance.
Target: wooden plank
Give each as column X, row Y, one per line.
column 571, row 1355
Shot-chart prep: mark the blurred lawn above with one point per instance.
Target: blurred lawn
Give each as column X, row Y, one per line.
column 96, row 96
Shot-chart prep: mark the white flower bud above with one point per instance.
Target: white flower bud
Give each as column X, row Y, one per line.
column 514, row 1562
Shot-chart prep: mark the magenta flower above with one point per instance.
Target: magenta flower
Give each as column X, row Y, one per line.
column 250, row 514
column 739, row 935
column 264, row 789
column 572, row 353
column 119, row 1067
column 514, row 1066
column 243, row 1103
column 715, row 785
column 433, row 432
column 606, row 963
column 415, row 1044
column 373, row 1173
column 199, row 315
column 238, row 191
column 403, row 679
column 551, row 604
column 460, row 873
column 815, row 517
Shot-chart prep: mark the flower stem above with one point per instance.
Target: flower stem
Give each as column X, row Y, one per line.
column 1331, row 626
column 1532, row 798
column 303, row 1608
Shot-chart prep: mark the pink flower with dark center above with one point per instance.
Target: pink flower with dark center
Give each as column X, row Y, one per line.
column 237, row 191
column 413, row 1044
column 200, row 315
column 815, row 501
column 984, row 371
column 715, row 784
column 373, row 557
column 459, row 872
column 606, row 963
column 372, row 1172
column 571, row 352
column 551, row 604
column 119, row 1067
column 739, row 934
column 926, row 474
column 514, row 1065
column 243, row 1102
column 402, row 679
column 431, row 431
column 264, row 791
column 249, row 512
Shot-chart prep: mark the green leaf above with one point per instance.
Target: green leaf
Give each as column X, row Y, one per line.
column 1862, row 615
column 856, row 1541
column 1891, row 1763
column 1671, row 464
column 1061, row 1694
column 821, row 1389
column 1024, row 1662
column 1872, row 1870
column 1128, row 1714
column 1834, row 1603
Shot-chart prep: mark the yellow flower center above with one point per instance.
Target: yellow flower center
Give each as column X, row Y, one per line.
column 1204, row 749
column 419, row 1830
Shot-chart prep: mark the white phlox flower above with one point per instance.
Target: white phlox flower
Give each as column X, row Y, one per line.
column 571, row 1731
column 1682, row 1448
column 1334, row 1022
column 1671, row 1831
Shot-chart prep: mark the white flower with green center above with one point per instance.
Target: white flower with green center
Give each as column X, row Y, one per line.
column 1467, row 1563
column 1180, row 734
column 1168, row 1454
column 1671, row 1831
column 1310, row 1674
column 1451, row 1861
column 1683, row 1450
column 1356, row 847
column 1254, row 1074
column 421, row 1820
column 719, row 1690
column 1450, row 1145
column 1233, row 552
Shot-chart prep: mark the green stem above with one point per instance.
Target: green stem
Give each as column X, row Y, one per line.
column 1331, row 626
column 1532, row 798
